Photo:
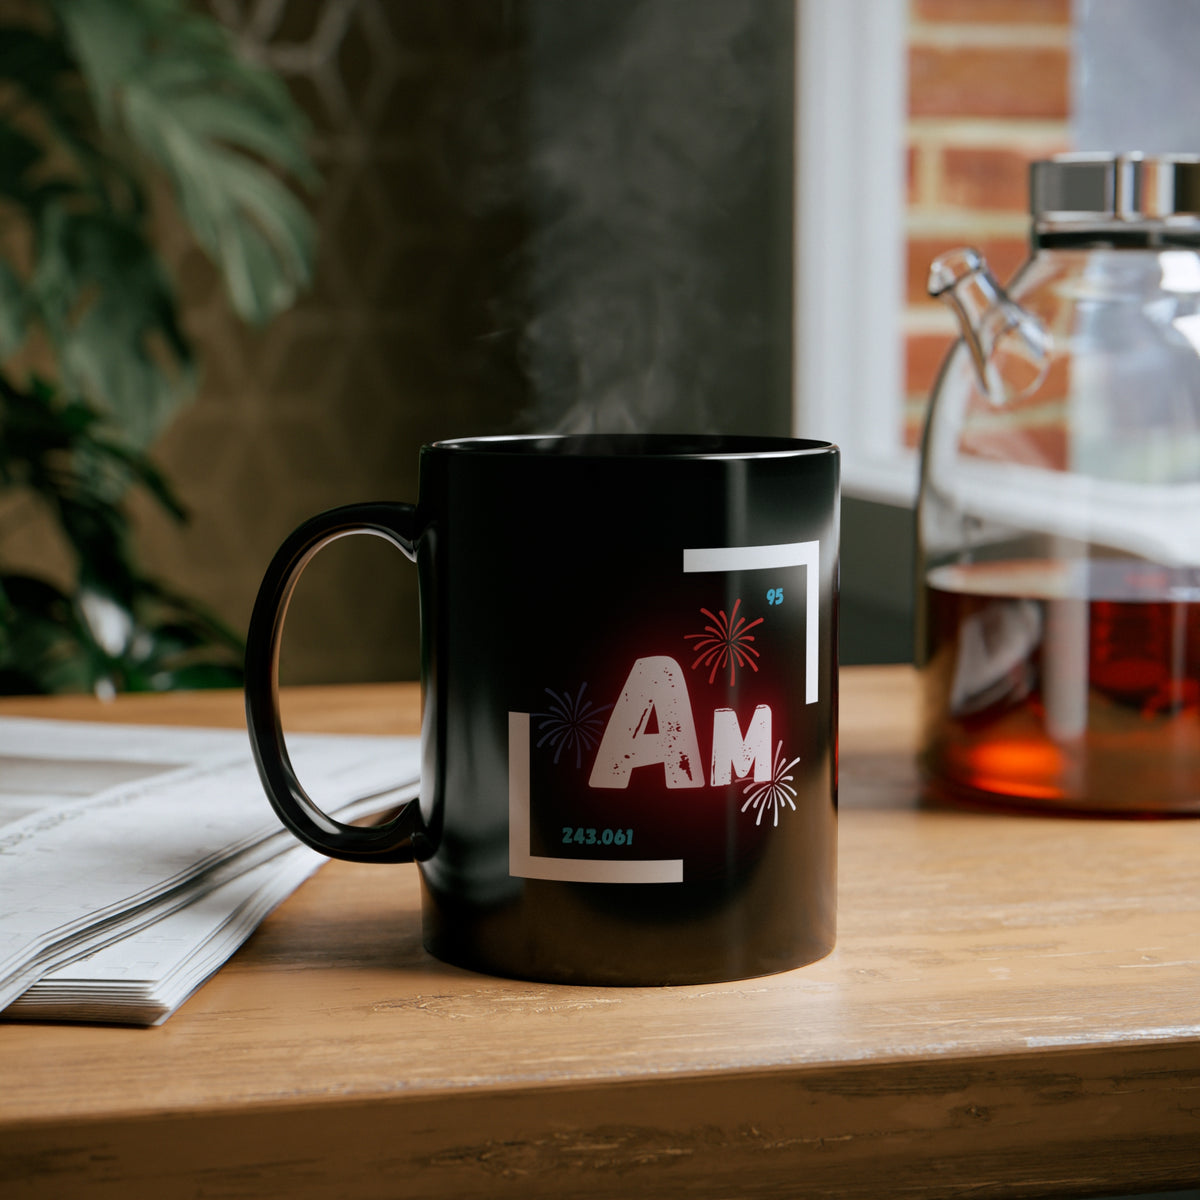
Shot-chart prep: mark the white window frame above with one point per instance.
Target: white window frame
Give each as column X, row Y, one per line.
column 851, row 119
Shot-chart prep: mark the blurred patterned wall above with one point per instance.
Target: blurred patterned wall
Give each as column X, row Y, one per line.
column 535, row 214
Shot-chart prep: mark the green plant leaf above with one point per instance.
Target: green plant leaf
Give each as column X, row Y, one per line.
column 48, row 103
column 142, row 471
column 61, row 452
column 219, row 127
column 18, row 155
column 31, row 60
column 111, row 315
column 117, row 629
column 195, row 617
column 106, row 39
column 256, row 231
column 42, row 648
column 192, row 676
column 54, row 642
column 13, row 310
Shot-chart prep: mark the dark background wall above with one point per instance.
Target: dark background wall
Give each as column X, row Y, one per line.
column 877, row 589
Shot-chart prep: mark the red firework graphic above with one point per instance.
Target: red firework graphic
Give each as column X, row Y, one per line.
column 726, row 641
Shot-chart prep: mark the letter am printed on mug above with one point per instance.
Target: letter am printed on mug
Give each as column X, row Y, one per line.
column 670, row 728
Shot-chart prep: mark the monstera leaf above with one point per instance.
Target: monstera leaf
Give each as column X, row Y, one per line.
column 169, row 82
column 104, row 297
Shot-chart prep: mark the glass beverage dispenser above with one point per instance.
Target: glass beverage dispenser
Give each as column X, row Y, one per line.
column 1059, row 509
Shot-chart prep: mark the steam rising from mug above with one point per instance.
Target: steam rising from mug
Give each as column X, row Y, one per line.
column 655, row 278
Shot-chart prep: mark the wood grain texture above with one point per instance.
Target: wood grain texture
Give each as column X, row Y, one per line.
column 1013, row 1009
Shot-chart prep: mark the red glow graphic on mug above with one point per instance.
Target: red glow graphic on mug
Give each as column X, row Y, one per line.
column 679, row 762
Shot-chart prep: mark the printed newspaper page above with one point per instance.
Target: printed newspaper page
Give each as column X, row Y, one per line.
column 111, row 835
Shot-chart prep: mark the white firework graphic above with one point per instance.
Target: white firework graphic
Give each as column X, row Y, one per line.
column 773, row 793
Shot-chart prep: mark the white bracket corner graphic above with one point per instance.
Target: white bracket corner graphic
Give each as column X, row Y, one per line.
column 773, row 558
column 522, row 864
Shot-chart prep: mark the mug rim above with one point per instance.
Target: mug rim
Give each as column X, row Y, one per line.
column 675, row 446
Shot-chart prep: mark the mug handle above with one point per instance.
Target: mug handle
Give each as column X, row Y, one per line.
column 392, row 841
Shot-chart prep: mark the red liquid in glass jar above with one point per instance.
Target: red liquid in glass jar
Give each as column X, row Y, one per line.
column 1064, row 685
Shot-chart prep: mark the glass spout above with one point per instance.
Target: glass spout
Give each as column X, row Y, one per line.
column 1010, row 348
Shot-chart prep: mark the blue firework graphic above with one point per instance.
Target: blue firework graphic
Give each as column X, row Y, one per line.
column 571, row 723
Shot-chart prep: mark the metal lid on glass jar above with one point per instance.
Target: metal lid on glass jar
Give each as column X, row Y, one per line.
column 1115, row 191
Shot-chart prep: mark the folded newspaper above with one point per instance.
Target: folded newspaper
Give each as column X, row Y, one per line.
column 134, row 860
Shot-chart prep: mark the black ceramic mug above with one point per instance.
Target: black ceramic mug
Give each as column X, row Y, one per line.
column 629, row 729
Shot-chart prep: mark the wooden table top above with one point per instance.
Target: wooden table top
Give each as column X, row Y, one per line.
column 1013, row 1009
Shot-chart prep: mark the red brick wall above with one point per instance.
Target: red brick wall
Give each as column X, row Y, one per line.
column 989, row 91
